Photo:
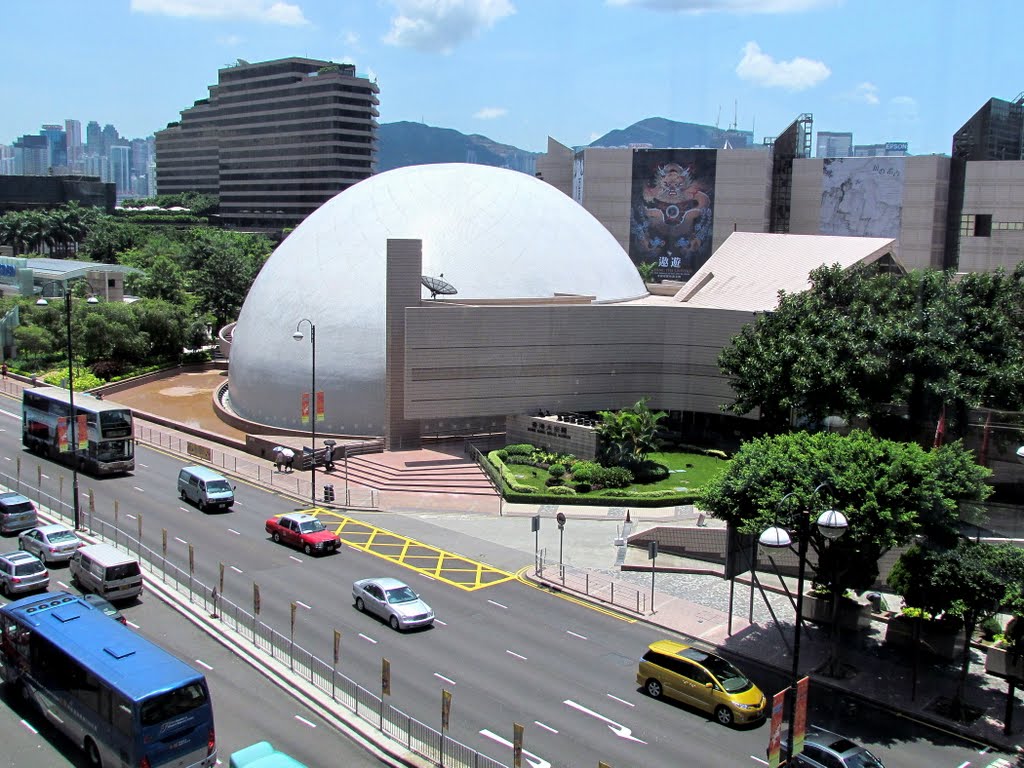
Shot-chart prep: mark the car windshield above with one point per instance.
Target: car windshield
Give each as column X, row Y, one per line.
column 27, row 569
column 312, row 526
column 401, row 594
column 61, row 537
column 218, row 486
column 863, row 759
column 15, row 509
column 731, row 679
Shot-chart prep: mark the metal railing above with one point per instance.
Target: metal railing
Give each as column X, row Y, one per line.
column 561, row 576
column 370, row 707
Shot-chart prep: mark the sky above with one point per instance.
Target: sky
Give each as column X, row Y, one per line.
column 518, row 71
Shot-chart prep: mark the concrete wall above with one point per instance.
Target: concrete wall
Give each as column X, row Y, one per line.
column 555, row 167
column 550, row 434
column 402, row 290
column 994, row 188
column 607, row 183
column 743, row 192
column 523, row 359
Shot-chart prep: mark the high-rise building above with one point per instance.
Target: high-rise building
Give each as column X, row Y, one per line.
column 888, row 149
column 110, row 138
column 274, row 140
column 73, row 132
column 121, row 169
column 31, row 156
column 834, row 144
column 58, row 147
column 93, row 139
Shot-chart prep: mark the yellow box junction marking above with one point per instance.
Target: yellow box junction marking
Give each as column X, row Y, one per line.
column 451, row 568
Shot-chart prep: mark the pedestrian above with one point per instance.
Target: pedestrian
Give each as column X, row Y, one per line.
column 4, row 369
column 278, row 460
column 289, row 461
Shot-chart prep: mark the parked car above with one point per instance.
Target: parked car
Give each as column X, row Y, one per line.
column 101, row 603
column 17, row 513
column 702, row 680
column 824, row 749
column 262, row 755
column 394, row 601
column 22, row 572
column 52, row 543
column 297, row 529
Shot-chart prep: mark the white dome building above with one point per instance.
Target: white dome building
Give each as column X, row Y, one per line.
column 492, row 233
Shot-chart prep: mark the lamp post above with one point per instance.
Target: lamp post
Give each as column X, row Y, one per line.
column 312, row 399
column 831, row 524
column 73, row 420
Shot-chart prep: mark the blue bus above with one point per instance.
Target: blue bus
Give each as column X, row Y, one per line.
column 123, row 699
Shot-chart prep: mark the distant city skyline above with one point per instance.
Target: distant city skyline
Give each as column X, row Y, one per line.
column 518, row 72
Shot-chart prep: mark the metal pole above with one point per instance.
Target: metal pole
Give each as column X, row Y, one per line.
column 345, row 448
column 795, row 677
column 75, row 511
column 312, row 411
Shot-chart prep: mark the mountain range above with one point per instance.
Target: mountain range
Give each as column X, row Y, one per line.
column 407, row 143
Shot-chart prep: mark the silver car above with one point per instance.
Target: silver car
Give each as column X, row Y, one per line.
column 50, row 543
column 22, row 572
column 394, row 601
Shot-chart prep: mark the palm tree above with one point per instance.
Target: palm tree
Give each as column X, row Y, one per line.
column 628, row 436
column 14, row 231
column 37, row 224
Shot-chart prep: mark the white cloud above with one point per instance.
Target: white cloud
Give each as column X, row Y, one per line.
column 727, row 6
column 490, row 113
column 795, row 75
column 268, row 11
column 903, row 108
column 867, row 93
column 351, row 40
column 439, row 25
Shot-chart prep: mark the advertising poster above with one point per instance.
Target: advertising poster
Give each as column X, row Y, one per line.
column 305, row 408
column 672, row 210
column 800, row 716
column 862, row 196
column 577, row 177
column 775, row 730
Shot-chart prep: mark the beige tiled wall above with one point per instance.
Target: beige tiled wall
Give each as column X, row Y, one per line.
column 994, row 187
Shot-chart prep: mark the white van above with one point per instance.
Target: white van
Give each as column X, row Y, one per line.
column 107, row 571
column 205, row 488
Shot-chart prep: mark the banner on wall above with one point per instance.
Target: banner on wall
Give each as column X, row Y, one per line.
column 577, row 177
column 672, row 210
column 862, row 196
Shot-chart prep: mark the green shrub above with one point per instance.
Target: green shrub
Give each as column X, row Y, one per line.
column 651, row 472
column 562, row 490
column 502, row 454
column 516, row 458
column 519, row 449
column 583, row 487
column 990, row 627
column 586, row 472
column 556, row 470
column 84, row 379
column 616, row 477
column 553, row 481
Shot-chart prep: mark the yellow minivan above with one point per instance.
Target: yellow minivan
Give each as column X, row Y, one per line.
column 702, row 680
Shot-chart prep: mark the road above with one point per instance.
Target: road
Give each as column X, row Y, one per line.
column 509, row 653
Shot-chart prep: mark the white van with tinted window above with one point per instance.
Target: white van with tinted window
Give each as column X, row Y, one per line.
column 205, row 488
column 107, row 571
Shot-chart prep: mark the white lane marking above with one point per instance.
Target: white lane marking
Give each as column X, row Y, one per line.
column 442, row 623
column 203, row 664
column 617, row 728
column 237, row 569
column 299, row 602
column 140, row 490
column 45, row 476
column 180, row 539
column 513, row 653
column 232, row 530
column 535, row 762
column 621, row 701
column 7, row 458
column 304, row 721
column 183, row 509
column 132, row 517
column 428, row 578
column 62, row 585
column 544, row 726
column 757, row 759
column 574, row 634
column 498, row 604
column 133, row 625
column 446, row 679
column 296, row 559
column 144, row 466
column 368, row 639
column 12, row 415
column 29, row 726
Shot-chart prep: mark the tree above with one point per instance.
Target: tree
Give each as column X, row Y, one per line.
column 627, row 436
column 35, row 341
column 889, row 491
column 164, row 324
column 109, row 237
column 222, row 268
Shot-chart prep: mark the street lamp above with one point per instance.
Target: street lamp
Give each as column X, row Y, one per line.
column 831, row 524
column 312, row 399
column 75, row 509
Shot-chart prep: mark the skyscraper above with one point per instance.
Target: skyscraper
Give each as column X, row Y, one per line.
column 110, row 138
column 121, row 169
column 93, row 139
column 273, row 141
column 58, row 147
column 73, row 132
column 834, row 144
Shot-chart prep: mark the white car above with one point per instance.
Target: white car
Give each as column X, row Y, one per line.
column 394, row 601
column 50, row 543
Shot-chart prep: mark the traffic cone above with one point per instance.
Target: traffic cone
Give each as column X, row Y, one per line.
column 627, row 516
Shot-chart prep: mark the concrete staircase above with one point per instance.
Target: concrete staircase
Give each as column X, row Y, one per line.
column 417, row 472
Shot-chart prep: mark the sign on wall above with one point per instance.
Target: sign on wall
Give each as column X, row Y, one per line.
column 862, row 196
column 672, row 210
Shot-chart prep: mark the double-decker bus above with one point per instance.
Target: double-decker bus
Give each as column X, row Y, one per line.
column 104, row 446
column 123, row 699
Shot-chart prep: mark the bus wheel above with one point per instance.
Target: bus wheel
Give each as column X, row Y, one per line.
column 92, row 754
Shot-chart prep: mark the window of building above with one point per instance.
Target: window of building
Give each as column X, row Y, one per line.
column 983, row 225
column 967, row 225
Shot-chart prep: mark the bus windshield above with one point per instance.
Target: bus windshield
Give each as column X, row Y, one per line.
column 165, row 706
column 116, row 420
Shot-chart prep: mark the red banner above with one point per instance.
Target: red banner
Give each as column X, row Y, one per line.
column 800, row 716
column 62, row 434
column 82, row 433
column 305, row 408
column 775, row 729
column 320, row 406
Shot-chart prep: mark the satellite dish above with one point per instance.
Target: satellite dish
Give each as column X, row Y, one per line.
column 438, row 285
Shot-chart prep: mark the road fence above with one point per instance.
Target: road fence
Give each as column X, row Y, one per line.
column 370, row 707
column 561, row 576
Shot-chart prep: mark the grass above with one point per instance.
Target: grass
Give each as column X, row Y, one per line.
column 687, row 471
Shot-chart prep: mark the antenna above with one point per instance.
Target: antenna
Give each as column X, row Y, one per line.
column 735, row 109
column 719, row 118
column 437, row 285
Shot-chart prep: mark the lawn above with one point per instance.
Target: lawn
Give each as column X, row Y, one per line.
column 687, row 471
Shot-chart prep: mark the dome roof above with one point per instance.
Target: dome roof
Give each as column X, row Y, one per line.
column 493, row 233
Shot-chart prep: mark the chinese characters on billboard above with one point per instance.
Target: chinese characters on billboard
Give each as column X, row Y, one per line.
column 671, row 210
column 862, row 196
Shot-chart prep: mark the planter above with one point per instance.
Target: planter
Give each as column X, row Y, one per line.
column 941, row 639
column 852, row 615
column 1000, row 662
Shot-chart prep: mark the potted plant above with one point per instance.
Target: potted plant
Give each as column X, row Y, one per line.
column 817, row 607
column 941, row 636
column 1005, row 656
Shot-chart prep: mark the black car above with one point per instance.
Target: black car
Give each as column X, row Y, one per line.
column 824, row 749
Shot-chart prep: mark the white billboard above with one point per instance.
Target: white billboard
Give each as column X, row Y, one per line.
column 862, row 196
